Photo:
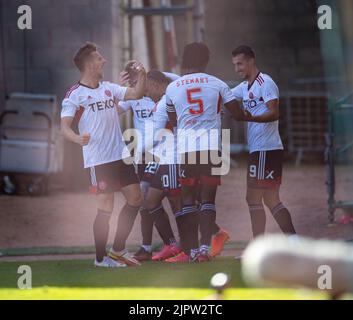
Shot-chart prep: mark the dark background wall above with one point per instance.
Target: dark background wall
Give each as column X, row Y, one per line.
column 283, row 33
column 40, row 60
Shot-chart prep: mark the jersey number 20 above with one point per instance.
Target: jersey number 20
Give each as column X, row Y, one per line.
column 191, row 100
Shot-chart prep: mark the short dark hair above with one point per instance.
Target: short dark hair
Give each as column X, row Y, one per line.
column 158, row 77
column 82, row 54
column 195, row 55
column 129, row 66
column 243, row 49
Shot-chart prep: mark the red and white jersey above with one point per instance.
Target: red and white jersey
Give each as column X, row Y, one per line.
column 171, row 76
column 261, row 136
column 197, row 99
column 143, row 120
column 97, row 115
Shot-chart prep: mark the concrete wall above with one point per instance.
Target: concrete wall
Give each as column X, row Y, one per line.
column 282, row 32
column 59, row 28
column 40, row 60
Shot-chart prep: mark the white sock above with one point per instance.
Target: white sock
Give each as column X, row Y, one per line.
column 193, row 253
column 147, row 248
column 294, row 239
column 204, row 248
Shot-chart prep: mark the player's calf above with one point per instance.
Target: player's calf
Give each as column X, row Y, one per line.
column 282, row 216
column 100, row 232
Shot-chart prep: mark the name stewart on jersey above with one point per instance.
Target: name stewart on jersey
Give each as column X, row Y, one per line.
column 191, row 81
column 197, row 99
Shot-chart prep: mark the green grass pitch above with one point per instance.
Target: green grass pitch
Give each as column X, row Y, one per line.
column 79, row 279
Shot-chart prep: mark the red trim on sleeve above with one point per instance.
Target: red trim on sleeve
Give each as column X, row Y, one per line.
column 78, row 114
column 74, row 87
column 260, row 80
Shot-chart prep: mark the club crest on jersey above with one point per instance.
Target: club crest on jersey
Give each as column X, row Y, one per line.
column 108, row 93
column 251, row 95
column 89, row 98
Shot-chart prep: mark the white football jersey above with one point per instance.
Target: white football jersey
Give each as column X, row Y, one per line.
column 171, row 76
column 143, row 110
column 97, row 114
column 197, row 100
column 165, row 140
column 261, row 136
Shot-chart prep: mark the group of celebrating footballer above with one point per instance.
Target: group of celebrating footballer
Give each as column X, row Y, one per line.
column 182, row 159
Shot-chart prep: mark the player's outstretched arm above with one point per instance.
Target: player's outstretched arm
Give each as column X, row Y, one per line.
column 237, row 112
column 139, row 90
column 271, row 115
column 70, row 135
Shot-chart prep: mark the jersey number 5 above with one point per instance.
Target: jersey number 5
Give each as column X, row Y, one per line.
column 191, row 100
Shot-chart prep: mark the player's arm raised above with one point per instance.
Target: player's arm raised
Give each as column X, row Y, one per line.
column 70, row 135
column 139, row 90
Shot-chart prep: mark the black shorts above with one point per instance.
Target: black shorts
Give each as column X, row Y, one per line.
column 111, row 177
column 146, row 171
column 197, row 172
column 265, row 169
column 167, row 179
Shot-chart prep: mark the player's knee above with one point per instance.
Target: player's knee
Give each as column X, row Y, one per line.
column 254, row 196
column 106, row 202
column 250, row 199
column 270, row 202
column 151, row 204
column 135, row 200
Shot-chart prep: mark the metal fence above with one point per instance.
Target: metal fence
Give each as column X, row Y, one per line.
column 305, row 121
